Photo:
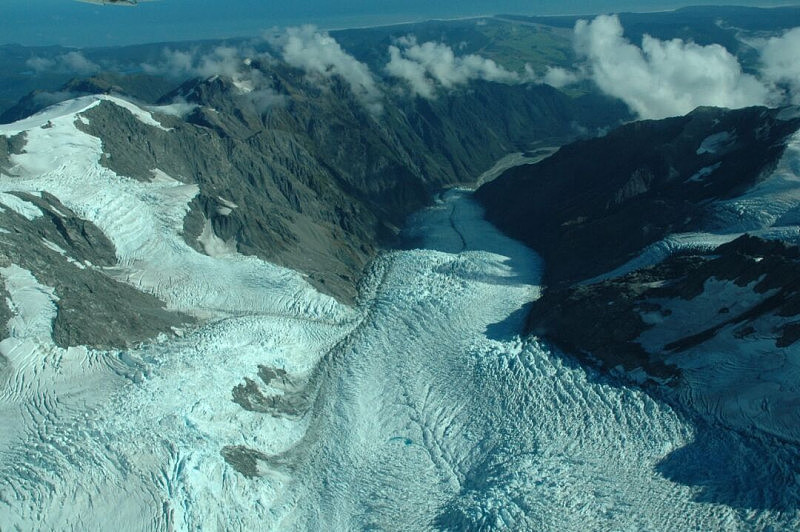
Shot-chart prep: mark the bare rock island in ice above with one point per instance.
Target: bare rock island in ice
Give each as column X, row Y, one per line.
column 266, row 300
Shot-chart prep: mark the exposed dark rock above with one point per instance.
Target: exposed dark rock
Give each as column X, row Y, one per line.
column 12, row 145
column 292, row 401
column 93, row 309
column 268, row 375
column 790, row 334
column 597, row 203
column 602, row 321
column 97, row 311
column 5, row 312
column 244, row 459
column 61, row 226
column 5, row 316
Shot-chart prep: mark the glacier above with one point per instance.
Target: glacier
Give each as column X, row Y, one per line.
column 420, row 408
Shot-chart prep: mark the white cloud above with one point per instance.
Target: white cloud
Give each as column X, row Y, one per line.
column 221, row 61
column 71, row 63
column 428, row 65
column 560, row 77
column 264, row 98
column 318, row 54
column 234, row 63
column 780, row 63
column 179, row 107
column 40, row 64
column 412, row 72
column 174, row 62
column 77, row 62
column 664, row 78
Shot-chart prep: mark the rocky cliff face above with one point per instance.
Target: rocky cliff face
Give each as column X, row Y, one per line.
column 298, row 172
column 595, row 204
column 315, row 171
column 652, row 273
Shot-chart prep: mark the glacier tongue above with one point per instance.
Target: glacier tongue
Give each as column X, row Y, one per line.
column 421, row 409
column 435, row 414
column 427, row 412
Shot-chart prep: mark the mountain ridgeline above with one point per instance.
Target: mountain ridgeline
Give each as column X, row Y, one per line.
column 318, row 182
column 597, row 203
column 299, row 172
column 671, row 253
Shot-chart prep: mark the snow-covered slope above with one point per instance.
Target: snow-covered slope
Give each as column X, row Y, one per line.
column 740, row 375
column 437, row 415
column 143, row 220
column 420, row 409
column 681, row 295
column 69, row 415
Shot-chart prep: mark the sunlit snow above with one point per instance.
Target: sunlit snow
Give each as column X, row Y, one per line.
column 424, row 408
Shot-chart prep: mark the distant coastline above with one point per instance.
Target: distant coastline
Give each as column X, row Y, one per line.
column 80, row 25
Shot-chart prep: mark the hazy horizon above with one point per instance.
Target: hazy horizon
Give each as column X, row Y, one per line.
column 72, row 23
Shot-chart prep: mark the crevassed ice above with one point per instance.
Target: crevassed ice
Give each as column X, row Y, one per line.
column 426, row 411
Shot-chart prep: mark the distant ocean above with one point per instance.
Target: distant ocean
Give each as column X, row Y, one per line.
column 72, row 23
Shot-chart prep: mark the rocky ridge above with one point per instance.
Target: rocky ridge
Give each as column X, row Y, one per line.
column 318, row 171
column 671, row 252
column 299, row 172
column 607, row 319
column 71, row 254
column 596, row 204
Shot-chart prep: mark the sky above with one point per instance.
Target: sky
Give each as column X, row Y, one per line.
column 72, row 23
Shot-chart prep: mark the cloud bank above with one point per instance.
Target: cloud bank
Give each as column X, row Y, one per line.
column 234, row 63
column 429, row 65
column 664, row 78
column 71, row 63
column 780, row 64
column 220, row 61
column 318, row 54
column 306, row 48
column 560, row 77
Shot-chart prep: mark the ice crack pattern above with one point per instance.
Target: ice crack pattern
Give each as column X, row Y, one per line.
column 423, row 409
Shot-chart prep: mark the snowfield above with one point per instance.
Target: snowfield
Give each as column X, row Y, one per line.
column 421, row 409
column 770, row 210
column 144, row 220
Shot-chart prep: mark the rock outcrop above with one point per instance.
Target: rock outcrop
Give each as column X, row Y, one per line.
column 750, row 286
column 70, row 254
column 596, row 204
column 651, row 273
column 315, row 181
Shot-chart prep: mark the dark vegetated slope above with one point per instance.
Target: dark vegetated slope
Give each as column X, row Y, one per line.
column 596, row 203
column 701, row 24
column 320, row 182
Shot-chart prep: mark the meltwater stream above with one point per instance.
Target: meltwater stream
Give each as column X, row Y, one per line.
column 424, row 410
